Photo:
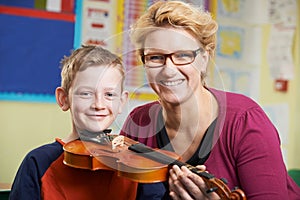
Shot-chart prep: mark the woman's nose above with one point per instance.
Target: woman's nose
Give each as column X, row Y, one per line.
column 169, row 69
column 168, row 61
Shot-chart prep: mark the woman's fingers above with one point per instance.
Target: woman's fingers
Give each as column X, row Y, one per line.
column 181, row 186
column 177, row 189
column 201, row 167
column 185, row 185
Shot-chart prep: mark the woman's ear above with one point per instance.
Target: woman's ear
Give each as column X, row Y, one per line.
column 62, row 98
column 124, row 99
column 204, row 61
column 205, row 56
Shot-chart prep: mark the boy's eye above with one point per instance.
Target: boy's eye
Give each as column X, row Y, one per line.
column 85, row 94
column 110, row 94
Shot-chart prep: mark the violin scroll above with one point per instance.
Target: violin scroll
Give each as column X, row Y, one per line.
column 220, row 187
column 237, row 194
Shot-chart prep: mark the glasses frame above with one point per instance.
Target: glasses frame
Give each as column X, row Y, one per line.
column 169, row 55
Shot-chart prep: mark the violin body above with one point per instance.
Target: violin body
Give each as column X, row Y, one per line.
column 92, row 156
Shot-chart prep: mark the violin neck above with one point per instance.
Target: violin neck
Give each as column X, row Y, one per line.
column 165, row 159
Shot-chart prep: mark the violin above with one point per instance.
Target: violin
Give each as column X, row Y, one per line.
column 136, row 161
column 94, row 156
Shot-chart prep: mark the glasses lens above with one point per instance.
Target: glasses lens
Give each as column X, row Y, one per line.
column 154, row 60
column 183, row 57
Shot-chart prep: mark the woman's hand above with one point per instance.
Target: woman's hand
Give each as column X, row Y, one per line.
column 185, row 185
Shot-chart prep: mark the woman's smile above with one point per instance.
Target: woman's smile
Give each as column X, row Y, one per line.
column 172, row 83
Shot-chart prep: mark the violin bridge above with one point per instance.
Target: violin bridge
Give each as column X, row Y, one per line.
column 117, row 141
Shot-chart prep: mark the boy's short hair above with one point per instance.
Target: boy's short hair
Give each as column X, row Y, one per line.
column 86, row 56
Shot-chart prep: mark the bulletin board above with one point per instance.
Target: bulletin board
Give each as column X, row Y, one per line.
column 33, row 42
column 242, row 26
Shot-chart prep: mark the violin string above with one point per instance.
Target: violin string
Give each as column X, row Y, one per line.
column 165, row 159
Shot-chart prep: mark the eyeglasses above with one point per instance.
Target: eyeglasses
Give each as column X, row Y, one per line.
column 178, row 58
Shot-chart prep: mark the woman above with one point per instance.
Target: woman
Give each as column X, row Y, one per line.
column 227, row 133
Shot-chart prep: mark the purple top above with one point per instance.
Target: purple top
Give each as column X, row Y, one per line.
column 245, row 151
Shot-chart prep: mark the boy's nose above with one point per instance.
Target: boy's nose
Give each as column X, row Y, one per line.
column 98, row 102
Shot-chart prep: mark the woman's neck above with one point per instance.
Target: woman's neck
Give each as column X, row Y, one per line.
column 196, row 111
column 187, row 123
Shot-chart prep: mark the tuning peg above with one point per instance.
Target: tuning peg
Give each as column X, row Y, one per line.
column 213, row 189
column 224, row 180
column 235, row 188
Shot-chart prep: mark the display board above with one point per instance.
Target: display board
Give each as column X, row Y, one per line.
column 33, row 42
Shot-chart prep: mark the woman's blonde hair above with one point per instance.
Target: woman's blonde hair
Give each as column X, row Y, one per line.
column 177, row 14
column 86, row 56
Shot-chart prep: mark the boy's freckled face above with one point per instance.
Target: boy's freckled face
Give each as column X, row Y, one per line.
column 96, row 98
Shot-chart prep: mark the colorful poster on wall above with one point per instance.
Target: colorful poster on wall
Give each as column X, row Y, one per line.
column 97, row 23
column 283, row 17
column 250, row 11
column 136, row 79
column 231, row 42
column 231, row 8
column 239, row 36
column 241, row 80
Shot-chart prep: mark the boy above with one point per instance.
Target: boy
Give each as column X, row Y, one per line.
column 92, row 89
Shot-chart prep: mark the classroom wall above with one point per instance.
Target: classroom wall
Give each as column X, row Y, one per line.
column 294, row 160
column 25, row 126
column 268, row 96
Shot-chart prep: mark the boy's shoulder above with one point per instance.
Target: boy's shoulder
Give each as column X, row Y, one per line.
column 46, row 150
column 44, row 155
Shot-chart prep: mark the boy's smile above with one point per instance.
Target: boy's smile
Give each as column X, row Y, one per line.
column 96, row 98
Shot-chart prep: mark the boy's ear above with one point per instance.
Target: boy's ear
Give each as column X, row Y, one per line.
column 62, row 98
column 124, row 99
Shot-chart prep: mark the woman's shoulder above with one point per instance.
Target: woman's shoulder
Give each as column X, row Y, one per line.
column 146, row 106
column 146, row 109
column 234, row 100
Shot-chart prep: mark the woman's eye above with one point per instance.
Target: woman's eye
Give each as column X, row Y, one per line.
column 183, row 55
column 156, row 57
